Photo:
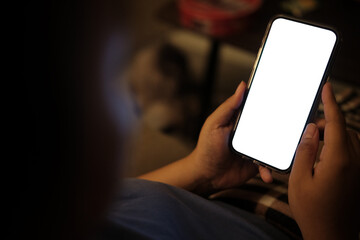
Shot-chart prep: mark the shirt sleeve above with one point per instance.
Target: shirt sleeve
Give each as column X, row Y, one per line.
column 152, row 210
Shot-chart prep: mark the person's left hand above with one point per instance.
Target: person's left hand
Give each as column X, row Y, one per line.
column 213, row 159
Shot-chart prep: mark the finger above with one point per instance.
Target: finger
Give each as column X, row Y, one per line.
column 225, row 112
column 306, row 153
column 265, row 174
column 334, row 121
column 332, row 111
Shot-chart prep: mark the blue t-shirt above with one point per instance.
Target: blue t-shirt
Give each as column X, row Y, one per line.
column 152, row 210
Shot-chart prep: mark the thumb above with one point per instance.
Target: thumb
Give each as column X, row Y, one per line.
column 225, row 112
column 306, row 153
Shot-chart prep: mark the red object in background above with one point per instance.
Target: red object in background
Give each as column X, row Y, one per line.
column 217, row 18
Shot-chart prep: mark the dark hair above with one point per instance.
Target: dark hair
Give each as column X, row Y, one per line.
column 72, row 143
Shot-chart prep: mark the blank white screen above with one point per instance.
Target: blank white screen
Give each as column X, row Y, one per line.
column 283, row 89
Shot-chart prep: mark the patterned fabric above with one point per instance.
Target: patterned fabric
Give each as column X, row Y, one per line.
column 270, row 201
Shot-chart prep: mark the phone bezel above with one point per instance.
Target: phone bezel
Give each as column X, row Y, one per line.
column 318, row 94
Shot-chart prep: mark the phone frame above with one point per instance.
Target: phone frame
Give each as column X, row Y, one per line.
column 316, row 101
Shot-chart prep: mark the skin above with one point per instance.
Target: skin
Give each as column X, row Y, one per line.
column 323, row 200
column 74, row 146
column 211, row 166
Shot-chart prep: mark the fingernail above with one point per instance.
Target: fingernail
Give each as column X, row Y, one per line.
column 238, row 87
column 310, row 130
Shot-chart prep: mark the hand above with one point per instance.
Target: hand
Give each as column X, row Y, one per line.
column 325, row 200
column 211, row 166
column 212, row 157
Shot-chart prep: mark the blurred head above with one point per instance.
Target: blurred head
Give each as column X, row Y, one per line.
column 73, row 50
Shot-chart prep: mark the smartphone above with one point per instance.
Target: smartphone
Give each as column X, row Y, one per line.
column 283, row 91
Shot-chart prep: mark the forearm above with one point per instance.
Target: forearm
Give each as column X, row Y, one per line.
column 182, row 174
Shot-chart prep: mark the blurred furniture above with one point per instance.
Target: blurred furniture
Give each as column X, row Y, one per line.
column 340, row 14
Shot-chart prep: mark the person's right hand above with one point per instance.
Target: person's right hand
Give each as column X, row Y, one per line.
column 325, row 200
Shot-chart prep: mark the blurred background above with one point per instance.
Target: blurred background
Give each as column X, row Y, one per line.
column 188, row 56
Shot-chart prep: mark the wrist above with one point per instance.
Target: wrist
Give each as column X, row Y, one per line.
column 202, row 177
